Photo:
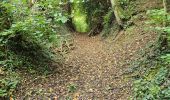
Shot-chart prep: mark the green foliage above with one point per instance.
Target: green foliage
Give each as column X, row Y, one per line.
column 154, row 85
column 161, row 18
column 128, row 8
column 33, row 34
column 124, row 2
column 5, row 17
column 158, row 16
column 96, row 10
column 107, row 23
column 79, row 16
column 30, row 39
column 108, row 18
column 125, row 12
column 150, row 86
column 8, row 84
column 166, row 58
column 53, row 12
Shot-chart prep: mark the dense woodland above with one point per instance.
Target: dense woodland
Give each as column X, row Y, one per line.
column 84, row 49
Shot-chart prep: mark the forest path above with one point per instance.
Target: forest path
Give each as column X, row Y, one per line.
column 96, row 69
column 98, row 74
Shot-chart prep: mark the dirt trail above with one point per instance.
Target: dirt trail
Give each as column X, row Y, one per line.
column 98, row 77
column 94, row 70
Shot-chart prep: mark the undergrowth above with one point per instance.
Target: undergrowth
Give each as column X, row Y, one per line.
column 152, row 81
column 110, row 26
column 8, row 84
column 28, row 37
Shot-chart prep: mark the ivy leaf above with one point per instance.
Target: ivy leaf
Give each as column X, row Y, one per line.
column 63, row 19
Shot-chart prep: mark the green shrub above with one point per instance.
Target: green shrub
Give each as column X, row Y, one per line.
column 32, row 35
column 8, row 84
column 157, row 16
column 29, row 42
column 5, row 18
column 108, row 23
column 154, row 84
column 150, row 86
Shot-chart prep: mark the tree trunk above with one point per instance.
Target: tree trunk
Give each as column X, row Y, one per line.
column 117, row 11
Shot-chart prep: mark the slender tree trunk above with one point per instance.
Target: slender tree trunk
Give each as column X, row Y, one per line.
column 117, row 11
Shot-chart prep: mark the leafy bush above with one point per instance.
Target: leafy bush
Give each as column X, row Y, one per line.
column 107, row 23
column 150, row 86
column 128, row 7
column 166, row 58
column 8, row 84
column 5, row 17
column 154, row 84
column 158, row 16
column 162, row 19
column 30, row 39
column 32, row 35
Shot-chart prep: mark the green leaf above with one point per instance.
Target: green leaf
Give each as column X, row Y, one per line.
column 3, row 93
